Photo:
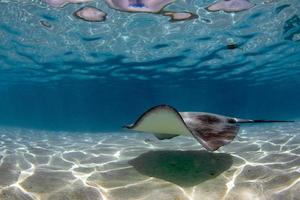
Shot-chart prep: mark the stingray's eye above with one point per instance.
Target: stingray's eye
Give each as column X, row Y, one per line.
column 231, row 120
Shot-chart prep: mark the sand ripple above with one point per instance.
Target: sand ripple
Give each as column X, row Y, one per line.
column 262, row 163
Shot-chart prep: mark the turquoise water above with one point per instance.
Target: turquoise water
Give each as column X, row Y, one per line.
column 67, row 86
column 94, row 76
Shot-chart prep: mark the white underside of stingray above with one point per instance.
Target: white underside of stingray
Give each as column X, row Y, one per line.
column 210, row 130
column 163, row 121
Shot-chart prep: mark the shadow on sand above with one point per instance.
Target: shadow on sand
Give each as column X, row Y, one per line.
column 184, row 168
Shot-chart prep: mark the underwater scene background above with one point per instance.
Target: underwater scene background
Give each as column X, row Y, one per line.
column 67, row 86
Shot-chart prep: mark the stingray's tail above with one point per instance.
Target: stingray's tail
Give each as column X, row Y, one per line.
column 261, row 121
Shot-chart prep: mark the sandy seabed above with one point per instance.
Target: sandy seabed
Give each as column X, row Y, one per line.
column 262, row 163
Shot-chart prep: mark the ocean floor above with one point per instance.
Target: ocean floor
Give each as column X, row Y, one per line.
column 262, row 163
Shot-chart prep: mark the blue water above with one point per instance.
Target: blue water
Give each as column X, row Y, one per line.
column 84, row 76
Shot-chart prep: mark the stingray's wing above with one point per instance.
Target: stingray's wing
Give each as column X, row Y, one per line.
column 212, row 131
column 161, row 120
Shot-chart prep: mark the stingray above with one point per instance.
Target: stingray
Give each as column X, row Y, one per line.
column 231, row 5
column 62, row 3
column 90, row 14
column 211, row 130
column 151, row 6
